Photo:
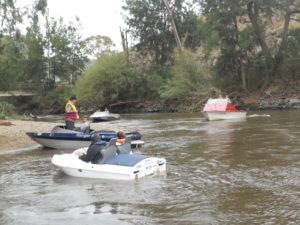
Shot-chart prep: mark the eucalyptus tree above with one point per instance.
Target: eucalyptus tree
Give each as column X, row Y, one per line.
column 287, row 10
column 35, row 60
column 10, row 16
column 226, row 18
column 250, row 49
column 11, row 62
column 151, row 26
column 10, row 45
column 66, row 51
column 97, row 45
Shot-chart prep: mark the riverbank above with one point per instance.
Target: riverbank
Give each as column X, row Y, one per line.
column 278, row 95
column 13, row 132
column 251, row 102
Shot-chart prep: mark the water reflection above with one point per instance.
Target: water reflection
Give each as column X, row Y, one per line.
column 220, row 136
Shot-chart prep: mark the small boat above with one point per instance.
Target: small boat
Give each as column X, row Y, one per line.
column 114, row 162
column 104, row 116
column 222, row 109
column 60, row 138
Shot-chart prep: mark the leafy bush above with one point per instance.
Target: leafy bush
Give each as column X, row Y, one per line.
column 11, row 63
column 59, row 95
column 6, row 109
column 190, row 78
column 109, row 79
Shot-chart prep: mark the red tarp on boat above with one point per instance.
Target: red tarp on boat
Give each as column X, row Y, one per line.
column 219, row 105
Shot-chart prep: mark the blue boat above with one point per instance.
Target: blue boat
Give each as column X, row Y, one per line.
column 61, row 138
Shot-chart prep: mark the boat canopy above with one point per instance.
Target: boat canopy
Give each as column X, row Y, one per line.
column 219, row 105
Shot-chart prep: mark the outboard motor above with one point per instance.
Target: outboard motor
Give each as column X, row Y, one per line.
column 134, row 135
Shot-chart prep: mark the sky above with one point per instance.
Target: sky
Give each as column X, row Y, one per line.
column 98, row 17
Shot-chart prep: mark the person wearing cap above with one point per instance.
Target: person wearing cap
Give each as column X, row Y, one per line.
column 71, row 113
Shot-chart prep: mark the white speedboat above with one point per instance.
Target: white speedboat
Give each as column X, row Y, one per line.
column 104, row 116
column 222, row 109
column 116, row 163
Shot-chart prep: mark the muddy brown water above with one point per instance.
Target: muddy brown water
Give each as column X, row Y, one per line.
column 222, row 172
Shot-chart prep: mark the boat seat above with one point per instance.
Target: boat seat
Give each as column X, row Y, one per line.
column 62, row 129
column 109, row 151
column 126, row 147
column 94, row 152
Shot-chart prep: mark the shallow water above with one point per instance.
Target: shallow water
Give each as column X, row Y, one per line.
column 222, row 172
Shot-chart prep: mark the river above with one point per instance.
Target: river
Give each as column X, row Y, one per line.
column 222, row 172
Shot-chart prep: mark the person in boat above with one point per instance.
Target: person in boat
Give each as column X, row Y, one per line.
column 85, row 127
column 71, row 113
column 120, row 138
column 93, row 151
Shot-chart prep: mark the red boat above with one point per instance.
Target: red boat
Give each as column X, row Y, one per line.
column 222, row 109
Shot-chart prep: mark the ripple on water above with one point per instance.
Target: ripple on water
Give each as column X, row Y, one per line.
column 219, row 172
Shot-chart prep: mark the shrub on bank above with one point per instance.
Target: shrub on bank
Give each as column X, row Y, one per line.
column 9, row 110
column 6, row 109
column 190, row 78
column 111, row 78
column 59, row 95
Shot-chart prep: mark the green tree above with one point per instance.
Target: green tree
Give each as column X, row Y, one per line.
column 11, row 62
column 249, row 53
column 66, row 51
column 35, row 61
column 225, row 17
column 150, row 25
column 257, row 10
column 109, row 79
column 190, row 78
column 10, row 16
column 99, row 44
column 10, row 45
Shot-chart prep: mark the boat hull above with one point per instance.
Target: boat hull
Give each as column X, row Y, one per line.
column 104, row 116
column 225, row 115
column 73, row 144
column 73, row 166
column 62, row 144
column 73, row 140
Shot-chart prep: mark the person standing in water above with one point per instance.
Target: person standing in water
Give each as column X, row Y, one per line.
column 71, row 113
